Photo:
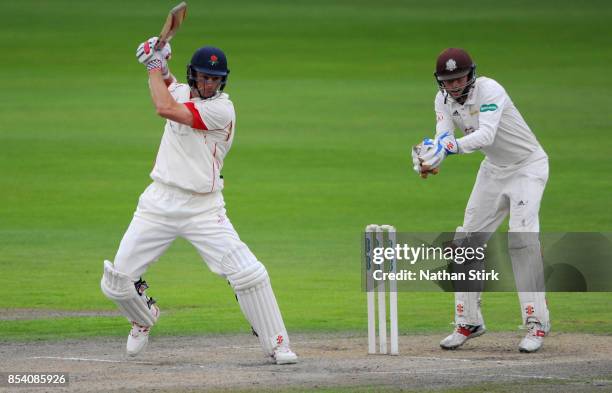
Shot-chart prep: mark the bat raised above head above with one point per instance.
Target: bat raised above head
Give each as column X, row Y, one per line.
column 175, row 18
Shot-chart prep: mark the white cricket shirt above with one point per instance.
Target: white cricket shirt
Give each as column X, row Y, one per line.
column 191, row 158
column 490, row 122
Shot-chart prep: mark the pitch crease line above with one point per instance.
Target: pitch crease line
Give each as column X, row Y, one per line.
column 90, row 360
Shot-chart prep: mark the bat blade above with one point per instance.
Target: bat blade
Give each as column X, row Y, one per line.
column 175, row 18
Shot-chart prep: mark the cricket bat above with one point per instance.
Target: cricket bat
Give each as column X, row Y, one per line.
column 175, row 18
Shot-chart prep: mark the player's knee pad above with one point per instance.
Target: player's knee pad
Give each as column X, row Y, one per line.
column 249, row 277
column 237, row 260
column 465, row 237
column 519, row 240
column 129, row 296
column 245, row 270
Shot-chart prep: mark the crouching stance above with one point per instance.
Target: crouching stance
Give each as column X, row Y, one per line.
column 185, row 200
column 511, row 181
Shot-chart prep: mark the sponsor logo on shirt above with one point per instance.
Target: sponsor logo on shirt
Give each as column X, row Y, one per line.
column 456, row 113
column 488, row 107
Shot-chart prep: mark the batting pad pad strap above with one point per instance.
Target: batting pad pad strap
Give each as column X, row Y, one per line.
column 119, row 287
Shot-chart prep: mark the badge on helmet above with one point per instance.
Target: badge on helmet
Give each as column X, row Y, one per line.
column 210, row 61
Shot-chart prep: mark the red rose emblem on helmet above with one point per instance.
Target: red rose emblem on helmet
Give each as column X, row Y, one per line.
column 213, row 59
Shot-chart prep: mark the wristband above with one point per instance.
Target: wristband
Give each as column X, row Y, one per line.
column 153, row 65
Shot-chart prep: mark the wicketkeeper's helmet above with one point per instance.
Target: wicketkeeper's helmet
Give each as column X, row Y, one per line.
column 455, row 63
column 208, row 60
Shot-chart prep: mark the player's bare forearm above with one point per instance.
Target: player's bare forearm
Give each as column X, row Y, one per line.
column 165, row 105
column 160, row 95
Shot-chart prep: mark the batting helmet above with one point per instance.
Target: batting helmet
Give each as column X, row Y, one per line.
column 455, row 63
column 210, row 61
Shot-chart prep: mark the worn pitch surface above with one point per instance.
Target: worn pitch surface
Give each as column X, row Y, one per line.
column 567, row 362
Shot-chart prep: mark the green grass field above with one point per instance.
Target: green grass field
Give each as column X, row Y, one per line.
column 329, row 97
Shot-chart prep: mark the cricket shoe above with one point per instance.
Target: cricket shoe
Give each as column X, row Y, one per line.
column 461, row 334
column 284, row 355
column 535, row 336
column 138, row 339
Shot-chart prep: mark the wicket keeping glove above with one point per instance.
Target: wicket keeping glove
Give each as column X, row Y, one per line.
column 416, row 160
column 437, row 149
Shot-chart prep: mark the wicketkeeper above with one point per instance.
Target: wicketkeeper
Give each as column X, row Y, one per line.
column 185, row 200
column 511, row 180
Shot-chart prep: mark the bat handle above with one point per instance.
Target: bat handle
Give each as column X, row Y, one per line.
column 159, row 44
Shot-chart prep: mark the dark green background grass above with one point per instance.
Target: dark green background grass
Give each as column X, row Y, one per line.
column 330, row 95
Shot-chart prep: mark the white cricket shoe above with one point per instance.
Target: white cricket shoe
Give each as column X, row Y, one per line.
column 461, row 334
column 534, row 338
column 284, row 355
column 138, row 339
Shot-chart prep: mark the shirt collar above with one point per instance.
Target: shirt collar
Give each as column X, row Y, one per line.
column 472, row 94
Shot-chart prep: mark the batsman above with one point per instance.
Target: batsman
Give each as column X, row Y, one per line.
column 511, row 180
column 185, row 200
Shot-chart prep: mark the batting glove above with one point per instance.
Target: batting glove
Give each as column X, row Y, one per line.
column 438, row 149
column 145, row 52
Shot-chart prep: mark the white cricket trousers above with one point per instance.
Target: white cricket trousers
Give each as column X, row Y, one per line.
column 165, row 213
column 516, row 190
